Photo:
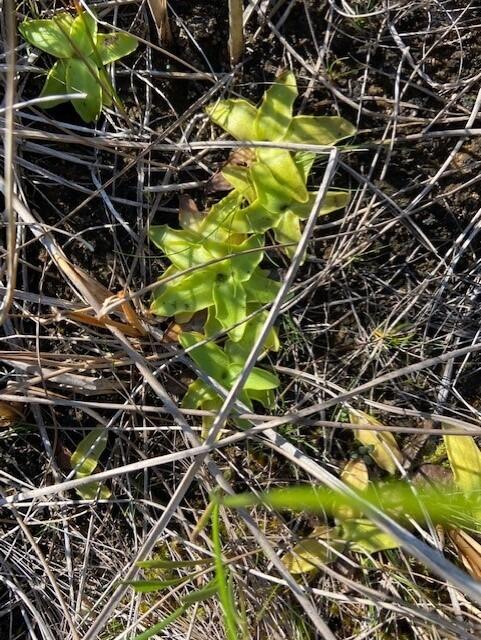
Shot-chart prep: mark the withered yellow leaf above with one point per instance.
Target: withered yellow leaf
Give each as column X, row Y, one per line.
column 385, row 448
column 355, row 474
column 465, row 459
column 310, row 554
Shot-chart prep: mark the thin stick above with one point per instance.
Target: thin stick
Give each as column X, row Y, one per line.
column 8, row 167
column 236, row 31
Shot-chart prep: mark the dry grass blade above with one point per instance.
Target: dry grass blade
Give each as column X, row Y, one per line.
column 160, row 14
column 9, row 161
column 236, row 31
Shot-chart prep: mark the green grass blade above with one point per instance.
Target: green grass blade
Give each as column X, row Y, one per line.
column 225, row 593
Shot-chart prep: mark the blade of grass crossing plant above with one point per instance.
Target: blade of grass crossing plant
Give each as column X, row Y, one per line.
column 84, row 78
column 161, row 626
column 365, row 537
column 225, row 592
column 113, row 46
column 55, row 85
column 275, row 113
column 49, row 36
column 395, row 497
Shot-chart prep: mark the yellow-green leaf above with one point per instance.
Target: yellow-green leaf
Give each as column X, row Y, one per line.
column 285, row 172
column 187, row 293
column 322, row 130
column 113, row 46
column 84, row 461
column 108, row 91
column 333, row 200
column 51, row 36
column 230, row 304
column 55, row 86
column 236, row 116
column 385, row 450
column 356, row 475
column 209, row 357
column 465, row 459
column 310, row 554
column 275, row 113
column 288, row 230
column 86, row 456
column 84, row 78
column 83, row 34
column 238, row 177
column 365, row 537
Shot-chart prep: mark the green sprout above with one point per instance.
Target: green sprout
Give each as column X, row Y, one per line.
column 229, row 284
column 274, row 184
column 82, row 54
column 224, row 366
column 216, row 256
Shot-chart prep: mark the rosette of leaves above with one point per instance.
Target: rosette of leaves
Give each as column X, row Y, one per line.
column 224, row 365
column 274, row 183
column 225, row 279
column 82, row 54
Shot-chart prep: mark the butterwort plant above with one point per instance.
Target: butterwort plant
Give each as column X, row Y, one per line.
column 216, row 257
column 82, row 54
column 274, row 183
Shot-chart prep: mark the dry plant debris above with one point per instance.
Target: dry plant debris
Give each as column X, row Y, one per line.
column 378, row 328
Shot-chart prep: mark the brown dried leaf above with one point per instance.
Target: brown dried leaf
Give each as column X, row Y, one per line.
column 189, row 214
column 469, row 550
column 63, row 455
column 241, row 157
column 158, row 8
column 10, row 414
